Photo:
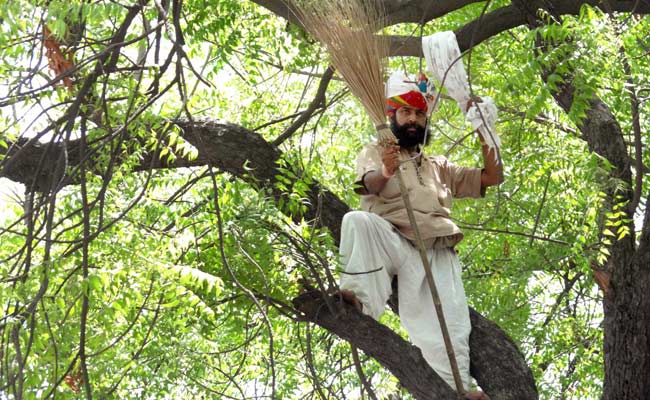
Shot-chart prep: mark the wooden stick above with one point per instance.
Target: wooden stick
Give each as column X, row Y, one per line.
column 385, row 133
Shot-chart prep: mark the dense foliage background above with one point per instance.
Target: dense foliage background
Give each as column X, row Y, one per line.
column 131, row 270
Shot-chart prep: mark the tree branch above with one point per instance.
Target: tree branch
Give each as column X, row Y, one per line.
column 472, row 33
column 599, row 127
column 401, row 358
column 636, row 128
column 491, row 24
column 229, row 147
column 497, row 364
column 419, row 11
column 318, row 100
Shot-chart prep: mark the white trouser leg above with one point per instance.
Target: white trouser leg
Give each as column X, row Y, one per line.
column 369, row 242
column 418, row 316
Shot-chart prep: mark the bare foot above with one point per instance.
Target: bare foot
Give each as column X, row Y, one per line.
column 476, row 395
column 349, row 297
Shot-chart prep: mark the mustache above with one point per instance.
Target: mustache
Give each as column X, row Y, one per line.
column 409, row 126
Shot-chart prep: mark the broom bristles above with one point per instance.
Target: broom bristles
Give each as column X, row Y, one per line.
column 347, row 29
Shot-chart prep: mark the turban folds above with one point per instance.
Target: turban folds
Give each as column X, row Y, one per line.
column 402, row 91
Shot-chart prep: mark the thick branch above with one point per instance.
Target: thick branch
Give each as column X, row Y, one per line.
column 469, row 35
column 498, row 366
column 248, row 156
column 419, row 11
column 496, row 363
column 601, row 131
column 599, row 127
column 397, row 11
column 473, row 32
column 402, row 359
column 228, row 147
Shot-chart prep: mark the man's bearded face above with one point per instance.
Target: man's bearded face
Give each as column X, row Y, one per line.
column 409, row 134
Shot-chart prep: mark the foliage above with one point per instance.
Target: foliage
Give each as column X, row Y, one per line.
column 188, row 273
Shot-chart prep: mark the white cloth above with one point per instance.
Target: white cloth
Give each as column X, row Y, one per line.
column 443, row 59
column 369, row 242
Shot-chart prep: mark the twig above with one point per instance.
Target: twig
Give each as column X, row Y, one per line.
column 84, row 263
column 319, row 99
column 507, row 232
column 362, row 376
column 539, row 211
column 310, row 363
column 241, row 287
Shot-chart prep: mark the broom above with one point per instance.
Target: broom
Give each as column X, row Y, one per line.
column 347, row 29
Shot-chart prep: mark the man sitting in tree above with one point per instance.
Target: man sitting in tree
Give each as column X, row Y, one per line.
column 380, row 238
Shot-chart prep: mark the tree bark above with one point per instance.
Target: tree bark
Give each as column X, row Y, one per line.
column 496, row 363
column 627, row 327
column 471, row 33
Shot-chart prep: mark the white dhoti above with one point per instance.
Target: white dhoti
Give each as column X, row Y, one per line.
column 369, row 242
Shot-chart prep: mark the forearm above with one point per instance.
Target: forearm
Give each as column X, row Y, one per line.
column 374, row 182
column 493, row 168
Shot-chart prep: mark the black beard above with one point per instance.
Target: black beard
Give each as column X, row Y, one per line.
column 406, row 139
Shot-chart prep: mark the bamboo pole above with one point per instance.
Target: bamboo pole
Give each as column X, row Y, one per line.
column 387, row 135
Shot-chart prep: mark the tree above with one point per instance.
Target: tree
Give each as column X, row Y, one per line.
column 186, row 166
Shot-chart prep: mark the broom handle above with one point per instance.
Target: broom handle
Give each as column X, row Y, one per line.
column 432, row 286
column 429, row 275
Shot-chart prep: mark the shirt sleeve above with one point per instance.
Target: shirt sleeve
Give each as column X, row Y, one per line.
column 463, row 181
column 368, row 160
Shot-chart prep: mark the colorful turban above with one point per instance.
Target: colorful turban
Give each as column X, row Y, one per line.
column 402, row 91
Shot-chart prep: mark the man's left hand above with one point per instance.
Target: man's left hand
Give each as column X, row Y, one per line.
column 473, row 99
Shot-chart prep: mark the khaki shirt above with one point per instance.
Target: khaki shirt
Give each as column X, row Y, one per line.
column 430, row 195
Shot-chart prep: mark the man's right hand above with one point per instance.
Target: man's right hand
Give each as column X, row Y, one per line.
column 390, row 159
column 375, row 181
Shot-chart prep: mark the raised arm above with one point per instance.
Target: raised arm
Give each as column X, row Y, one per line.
column 493, row 169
